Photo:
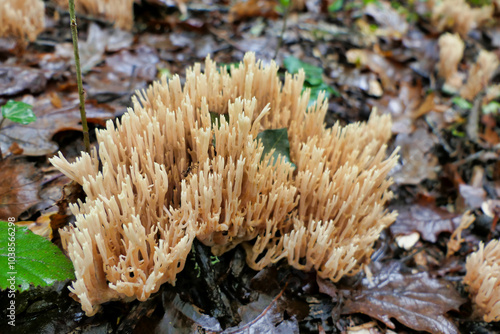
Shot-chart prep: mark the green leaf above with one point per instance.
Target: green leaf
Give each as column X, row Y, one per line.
column 164, row 72
column 37, row 261
column 229, row 65
column 461, row 103
column 491, row 108
column 336, row 6
column 314, row 74
column 285, row 3
column 314, row 78
column 18, row 112
column 216, row 117
column 315, row 90
column 276, row 139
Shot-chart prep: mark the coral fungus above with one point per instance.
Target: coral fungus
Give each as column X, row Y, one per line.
column 190, row 161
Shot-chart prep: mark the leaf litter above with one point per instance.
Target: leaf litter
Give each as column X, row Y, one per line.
column 382, row 54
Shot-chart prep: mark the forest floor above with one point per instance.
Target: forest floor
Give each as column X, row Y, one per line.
column 374, row 54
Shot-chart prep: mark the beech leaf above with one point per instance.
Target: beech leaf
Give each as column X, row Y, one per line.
column 429, row 221
column 38, row 262
column 276, row 139
column 415, row 300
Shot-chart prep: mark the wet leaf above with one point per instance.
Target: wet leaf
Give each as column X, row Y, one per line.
column 415, row 300
column 18, row 112
column 276, row 139
column 17, row 79
column 182, row 317
column 37, row 262
column 19, row 186
column 36, row 139
column 140, row 64
column 473, row 196
column 265, row 315
column 429, row 221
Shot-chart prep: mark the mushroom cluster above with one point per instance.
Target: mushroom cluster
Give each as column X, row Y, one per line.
column 121, row 12
column 196, row 161
column 22, row 18
column 482, row 278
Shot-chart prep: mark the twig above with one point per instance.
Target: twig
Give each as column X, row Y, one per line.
column 74, row 34
column 477, row 155
column 1, row 154
column 280, row 41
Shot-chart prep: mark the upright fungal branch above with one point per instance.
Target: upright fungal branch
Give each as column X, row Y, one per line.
column 186, row 161
column 121, row 12
column 482, row 278
column 22, row 18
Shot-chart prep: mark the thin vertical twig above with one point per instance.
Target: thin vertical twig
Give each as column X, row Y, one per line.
column 83, row 115
column 1, row 153
column 280, row 41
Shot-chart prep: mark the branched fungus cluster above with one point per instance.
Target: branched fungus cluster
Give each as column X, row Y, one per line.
column 191, row 162
column 21, row 18
column 482, row 279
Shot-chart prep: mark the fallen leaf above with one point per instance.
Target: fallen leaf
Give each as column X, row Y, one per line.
column 39, row 227
column 389, row 72
column 391, row 23
column 140, row 64
column 415, row 300
column 18, row 79
column 19, row 185
column 277, row 140
column 472, row 196
column 36, row 138
column 425, row 107
column 402, row 107
column 264, row 316
column 417, row 162
column 429, row 221
column 253, row 8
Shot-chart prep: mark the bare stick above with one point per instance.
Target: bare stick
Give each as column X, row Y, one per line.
column 83, row 115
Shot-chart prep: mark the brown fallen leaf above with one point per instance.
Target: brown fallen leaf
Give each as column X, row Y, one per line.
column 36, row 138
column 415, row 300
column 41, row 226
column 17, row 79
column 253, row 8
column 428, row 220
column 389, row 72
column 417, row 161
column 19, row 185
